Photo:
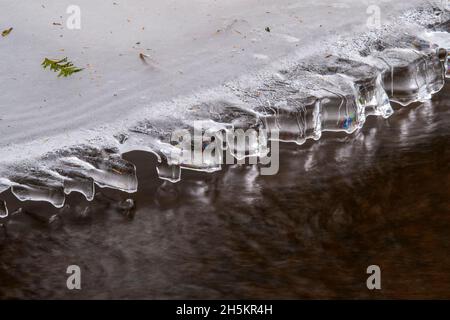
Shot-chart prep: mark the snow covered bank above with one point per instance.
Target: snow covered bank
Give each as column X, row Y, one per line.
column 190, row 46
column 298, row 67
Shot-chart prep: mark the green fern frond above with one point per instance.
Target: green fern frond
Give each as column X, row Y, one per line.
column 63, row 66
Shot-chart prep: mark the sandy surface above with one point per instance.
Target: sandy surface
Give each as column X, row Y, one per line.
column 191, row 46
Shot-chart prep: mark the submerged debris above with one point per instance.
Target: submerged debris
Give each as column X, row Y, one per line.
column 127, row 208
column 63, row 66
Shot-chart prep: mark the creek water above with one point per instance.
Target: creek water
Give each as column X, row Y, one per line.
column 377, row 197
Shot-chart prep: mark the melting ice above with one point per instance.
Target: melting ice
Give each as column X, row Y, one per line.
column 300, row 100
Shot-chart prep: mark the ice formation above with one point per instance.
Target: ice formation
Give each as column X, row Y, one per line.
column 299, row 97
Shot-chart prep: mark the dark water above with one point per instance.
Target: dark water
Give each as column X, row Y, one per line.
column 380, row 196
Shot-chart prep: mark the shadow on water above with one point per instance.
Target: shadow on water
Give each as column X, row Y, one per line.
column 379, row 196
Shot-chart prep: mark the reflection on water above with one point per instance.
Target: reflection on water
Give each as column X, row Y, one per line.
column 338, row 205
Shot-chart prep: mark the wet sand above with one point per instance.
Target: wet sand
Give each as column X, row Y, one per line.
column 380, row 196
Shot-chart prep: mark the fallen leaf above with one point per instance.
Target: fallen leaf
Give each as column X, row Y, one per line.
column 143, row 57
column 6, row 32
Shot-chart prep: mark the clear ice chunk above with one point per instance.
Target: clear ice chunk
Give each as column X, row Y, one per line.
column 412, row 75
column 39, row 192
column 234, row 119
column 301, row 104
column 3, row 209
column 5, row 184
column 105, row 167
column 224, row 112
column 285, row 106
column 78, row 183
column 443, row 40
column 35, row 184
column 76, row 169
column 179, row 144
column 171, row 173
column 339, row 112
column 367, row 81
column 296, row 118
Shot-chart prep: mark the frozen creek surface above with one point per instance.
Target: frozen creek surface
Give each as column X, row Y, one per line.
column 318, row 69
